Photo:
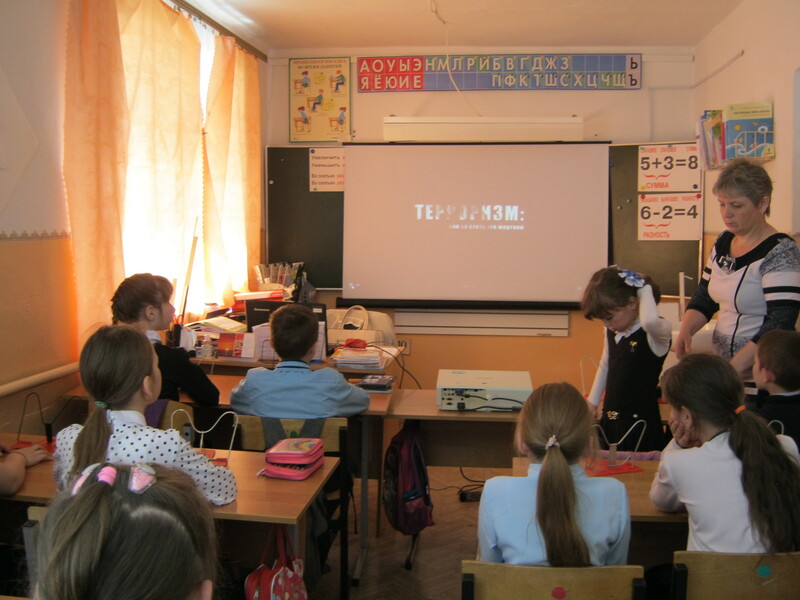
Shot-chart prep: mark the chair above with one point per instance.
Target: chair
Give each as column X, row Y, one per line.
column 701, row 575
column 489, row 581
column 30, row 536
column 180, row 420
column 334, row 441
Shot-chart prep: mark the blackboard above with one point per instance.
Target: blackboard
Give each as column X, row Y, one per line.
column 303, row 226
column 662, row 260
column 307, row 226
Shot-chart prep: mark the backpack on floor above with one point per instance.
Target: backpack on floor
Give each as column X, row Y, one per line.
column 406, row 495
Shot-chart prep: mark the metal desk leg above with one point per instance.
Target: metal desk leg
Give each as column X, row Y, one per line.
column 364, row 517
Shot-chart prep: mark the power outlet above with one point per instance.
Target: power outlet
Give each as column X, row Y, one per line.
column 404, row 345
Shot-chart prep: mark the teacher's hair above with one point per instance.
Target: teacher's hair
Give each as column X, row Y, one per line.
column 743, row 177
column 136, row 293
column 711, row 389
column 113, row 364
column 116, row 538
column 554, row 426
column 607, row 291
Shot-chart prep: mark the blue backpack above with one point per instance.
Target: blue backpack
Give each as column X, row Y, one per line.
column 406, row 495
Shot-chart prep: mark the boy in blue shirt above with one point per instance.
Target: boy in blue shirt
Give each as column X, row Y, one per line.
column 292, row 390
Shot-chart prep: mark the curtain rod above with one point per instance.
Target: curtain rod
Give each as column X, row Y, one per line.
column 182, row 4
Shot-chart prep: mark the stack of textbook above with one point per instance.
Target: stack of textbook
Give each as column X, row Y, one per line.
column 357, row 358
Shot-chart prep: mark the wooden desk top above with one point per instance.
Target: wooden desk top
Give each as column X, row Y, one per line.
column 243, row 364
column 378, row 403
column 421, row 404
column 260, row 499
column 638, row 488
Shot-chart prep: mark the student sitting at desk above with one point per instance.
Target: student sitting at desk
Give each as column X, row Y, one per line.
column 738, row 481
column 292, row 390
column 557, row 515
column 119, row 369
column 142, row 300
column 128, row 532
column 777, row 370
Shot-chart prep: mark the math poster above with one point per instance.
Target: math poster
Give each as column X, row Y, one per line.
column 670, row 184
column 319, row 99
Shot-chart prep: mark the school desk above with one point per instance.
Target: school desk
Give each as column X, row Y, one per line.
column 224, row 365
column 655, row 534
column 371, row 419
column 637, row 486
column 260, row 499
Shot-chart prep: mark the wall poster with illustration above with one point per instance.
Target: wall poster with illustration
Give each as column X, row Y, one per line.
column 319, row 99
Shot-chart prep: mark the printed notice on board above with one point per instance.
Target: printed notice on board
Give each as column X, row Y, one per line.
column 326, row 169
column 669, row 168
column 670, row 217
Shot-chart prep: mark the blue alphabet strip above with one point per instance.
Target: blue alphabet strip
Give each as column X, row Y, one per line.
column 500, row 72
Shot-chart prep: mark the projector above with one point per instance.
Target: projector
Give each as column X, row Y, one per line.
column 482, row 390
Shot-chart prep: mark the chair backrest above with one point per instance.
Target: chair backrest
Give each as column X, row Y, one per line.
column 702, row 575
column 252, row 432
column 180, row 419
column 489, row 581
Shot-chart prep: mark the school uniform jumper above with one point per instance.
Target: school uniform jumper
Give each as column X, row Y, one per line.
column 632, row 391
column 179, row 373
column 508, row 531
column 784, row 408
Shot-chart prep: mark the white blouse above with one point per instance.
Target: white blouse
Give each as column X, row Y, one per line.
column 132, row 441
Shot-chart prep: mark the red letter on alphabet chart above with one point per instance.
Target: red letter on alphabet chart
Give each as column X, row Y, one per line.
column 390, row 73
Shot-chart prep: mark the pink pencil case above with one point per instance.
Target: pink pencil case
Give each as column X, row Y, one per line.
column 293, row 458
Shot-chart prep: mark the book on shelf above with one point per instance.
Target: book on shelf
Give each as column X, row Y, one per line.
column 749, row 130
column 712, row 138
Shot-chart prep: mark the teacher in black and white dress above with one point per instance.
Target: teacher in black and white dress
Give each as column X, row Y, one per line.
column 752, row 278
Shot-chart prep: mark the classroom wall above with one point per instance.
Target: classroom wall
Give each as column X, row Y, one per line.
column 768, row 33
column 37, row 290
column 661, row 111
column 654, row 113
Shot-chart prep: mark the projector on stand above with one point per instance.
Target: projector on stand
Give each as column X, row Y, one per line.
column 482, row 390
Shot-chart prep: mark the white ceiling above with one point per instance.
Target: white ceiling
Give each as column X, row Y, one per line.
column 287, row 24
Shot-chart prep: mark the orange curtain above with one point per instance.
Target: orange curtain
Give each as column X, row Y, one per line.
column 95, row 155
column 163, row 196
column 232, row 191
column 134, row 162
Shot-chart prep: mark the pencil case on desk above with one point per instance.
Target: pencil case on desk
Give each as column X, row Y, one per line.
column 293, row 458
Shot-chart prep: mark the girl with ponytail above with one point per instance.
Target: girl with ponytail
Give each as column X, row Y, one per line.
column 739, row 482
column 119, row 369
column 557, row 515
column 128, row 533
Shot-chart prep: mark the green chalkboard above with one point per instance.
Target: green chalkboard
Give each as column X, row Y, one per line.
column 303, row 226
column 662, row 260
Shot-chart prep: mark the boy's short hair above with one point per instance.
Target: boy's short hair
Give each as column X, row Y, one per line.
column 294, row 330
column 779, row 353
